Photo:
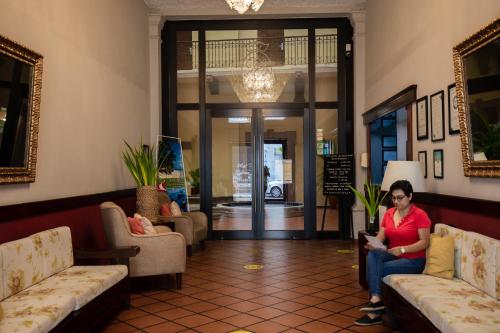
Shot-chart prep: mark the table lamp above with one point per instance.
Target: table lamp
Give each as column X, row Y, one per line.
column 404, row 170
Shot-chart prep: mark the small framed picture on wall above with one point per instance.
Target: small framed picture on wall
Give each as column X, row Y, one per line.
column 422, row 119
column 454, row 127
column 422, row 159
column 438, row 163
column 437, row 116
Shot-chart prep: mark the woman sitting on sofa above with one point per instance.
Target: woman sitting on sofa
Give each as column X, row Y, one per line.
column 407, row 229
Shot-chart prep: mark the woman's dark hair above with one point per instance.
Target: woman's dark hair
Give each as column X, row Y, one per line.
column 402, row 185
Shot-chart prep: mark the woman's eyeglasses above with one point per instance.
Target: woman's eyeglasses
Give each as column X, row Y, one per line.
column 398, row 198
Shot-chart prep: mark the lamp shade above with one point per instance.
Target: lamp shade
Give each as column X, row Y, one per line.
column 404, row 170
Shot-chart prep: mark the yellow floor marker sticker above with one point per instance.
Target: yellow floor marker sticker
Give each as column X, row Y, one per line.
column 345, row 251
column 355, row 266
column 240, row 331
column 253, row 266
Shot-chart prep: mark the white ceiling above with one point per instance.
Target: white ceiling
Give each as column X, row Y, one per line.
column 280, row 8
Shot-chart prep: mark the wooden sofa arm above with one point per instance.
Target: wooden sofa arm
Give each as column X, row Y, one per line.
column 119, row 255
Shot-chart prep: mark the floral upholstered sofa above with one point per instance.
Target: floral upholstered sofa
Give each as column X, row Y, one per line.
column 41, row 289
column 468, row 303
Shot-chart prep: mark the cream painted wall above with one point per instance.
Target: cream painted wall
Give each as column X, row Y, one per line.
column 95, row 91
column 410, row 42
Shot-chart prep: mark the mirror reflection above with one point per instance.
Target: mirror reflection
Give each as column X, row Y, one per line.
column 15, row 78
column 20, row 95
column 482, row 80
column 476, row 62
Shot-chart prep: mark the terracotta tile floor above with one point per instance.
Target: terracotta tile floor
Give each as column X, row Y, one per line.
column 304, row 286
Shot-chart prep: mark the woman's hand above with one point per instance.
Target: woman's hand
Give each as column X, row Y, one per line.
column 369, row 247
column 395, row 251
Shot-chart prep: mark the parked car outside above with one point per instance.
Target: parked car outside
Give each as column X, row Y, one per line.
column 275, row 189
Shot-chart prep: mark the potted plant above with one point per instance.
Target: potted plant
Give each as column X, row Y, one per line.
column 372, row 201
column 194, row 181
column 143, row 166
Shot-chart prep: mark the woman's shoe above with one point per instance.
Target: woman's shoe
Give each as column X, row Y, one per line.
column 370, row 307
column 367, row 321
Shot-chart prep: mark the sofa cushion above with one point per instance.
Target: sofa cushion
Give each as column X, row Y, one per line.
column 26, row 314
column 56, row 248
column 22, row 265
column 415, row 287
column 1, row 277
column 440, row 257
column 175, row 209
column 440, row 301
column 479, row 262
column 165, row 209
column 135, row 225
column 83, row 283
column 457, row 234
column 148, row 226
column 473, row 313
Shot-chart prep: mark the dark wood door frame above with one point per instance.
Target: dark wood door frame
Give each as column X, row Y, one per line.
column 344, row 104
column 403, row 99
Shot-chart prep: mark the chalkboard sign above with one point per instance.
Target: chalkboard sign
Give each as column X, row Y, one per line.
column 338, row 174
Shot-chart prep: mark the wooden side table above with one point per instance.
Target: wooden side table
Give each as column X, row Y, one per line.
column 362, row 252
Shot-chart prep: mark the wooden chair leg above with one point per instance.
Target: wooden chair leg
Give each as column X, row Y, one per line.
column 189, row 250
column 202, row 244
column 126, row 295
column 178, row 280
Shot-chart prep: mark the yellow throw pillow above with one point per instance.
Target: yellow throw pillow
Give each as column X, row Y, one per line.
column 440, row 261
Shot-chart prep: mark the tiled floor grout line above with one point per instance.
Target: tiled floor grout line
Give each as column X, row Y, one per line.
column 304, row 288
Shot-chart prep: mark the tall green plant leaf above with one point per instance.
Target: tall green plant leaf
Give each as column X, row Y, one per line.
column 372, row 203
column 142, row 164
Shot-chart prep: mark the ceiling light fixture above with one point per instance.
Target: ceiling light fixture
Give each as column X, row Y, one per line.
column 255, row 81
column 241, row 6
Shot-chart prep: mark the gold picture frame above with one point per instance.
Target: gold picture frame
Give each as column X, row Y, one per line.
column 475, row 162
column 25, row 140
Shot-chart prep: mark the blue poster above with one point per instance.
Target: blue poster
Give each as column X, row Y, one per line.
column 171, row 173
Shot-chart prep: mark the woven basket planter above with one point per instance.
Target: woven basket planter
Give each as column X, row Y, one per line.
column 147, row 203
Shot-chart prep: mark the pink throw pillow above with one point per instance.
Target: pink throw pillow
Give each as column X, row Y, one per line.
column 147, row 226
column 135, row 225
column 175, row 209
column 165, row 209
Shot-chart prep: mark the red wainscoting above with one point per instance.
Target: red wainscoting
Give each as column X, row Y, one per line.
column 81, row 214
column 469, row 214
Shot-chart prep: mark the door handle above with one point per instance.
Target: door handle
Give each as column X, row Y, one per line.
column 254, row 202
column 262, row 195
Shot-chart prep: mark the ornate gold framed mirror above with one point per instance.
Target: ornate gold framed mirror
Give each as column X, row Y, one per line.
column 477, row 74
column 20, row 92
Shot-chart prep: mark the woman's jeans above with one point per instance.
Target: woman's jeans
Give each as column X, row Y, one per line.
column 381, row 263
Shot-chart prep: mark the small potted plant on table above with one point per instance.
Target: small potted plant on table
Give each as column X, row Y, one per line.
column 372, row 202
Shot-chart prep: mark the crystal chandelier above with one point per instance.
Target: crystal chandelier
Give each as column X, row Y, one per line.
column 241, row 6
column 256, row 81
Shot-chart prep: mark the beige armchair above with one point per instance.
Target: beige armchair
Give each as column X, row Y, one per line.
column 192, row 225
column 161, row 253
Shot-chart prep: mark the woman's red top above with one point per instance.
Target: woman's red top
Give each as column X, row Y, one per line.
column 407, row 231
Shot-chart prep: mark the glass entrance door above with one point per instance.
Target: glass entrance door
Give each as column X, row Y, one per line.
column 257, row 181
column 283, row 159
column 232, row 164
